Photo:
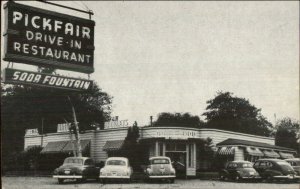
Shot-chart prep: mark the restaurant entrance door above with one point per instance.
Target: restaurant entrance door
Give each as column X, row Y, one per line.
column 179, row 162
column 177, row 151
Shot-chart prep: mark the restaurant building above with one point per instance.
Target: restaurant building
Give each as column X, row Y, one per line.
column 178, row 143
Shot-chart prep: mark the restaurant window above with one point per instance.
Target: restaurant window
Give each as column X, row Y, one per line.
column 191, row 155
column 180, row 147
column 170, row 146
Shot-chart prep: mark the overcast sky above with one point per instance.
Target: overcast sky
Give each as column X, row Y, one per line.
column 166, row 56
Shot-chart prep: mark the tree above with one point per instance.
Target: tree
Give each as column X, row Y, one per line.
column 132, row 149
column 178, row 120
column 24, row 107
column 287, row 133
column 236, row 114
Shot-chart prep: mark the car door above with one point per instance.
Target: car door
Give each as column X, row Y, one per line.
column 263, row 166
column 257, row 166
column 231, row 168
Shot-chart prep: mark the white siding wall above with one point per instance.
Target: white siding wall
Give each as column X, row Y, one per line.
column 238, row 154
column 32, row 140
column 215, row 134
column 220, row 135
column 98, row 140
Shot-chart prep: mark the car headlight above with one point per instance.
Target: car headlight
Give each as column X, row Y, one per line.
column 102, row 171
column 55, row 171
column 79, row 171
column 149, row 171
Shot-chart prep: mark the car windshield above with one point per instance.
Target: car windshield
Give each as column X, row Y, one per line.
column 294, row 163
column 246, row 165
column 283, row 163
column 116, row 162
column 160, row 161
column 73, row 161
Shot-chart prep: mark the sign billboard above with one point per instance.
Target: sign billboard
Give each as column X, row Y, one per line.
column 14, row 76
column 46, row 38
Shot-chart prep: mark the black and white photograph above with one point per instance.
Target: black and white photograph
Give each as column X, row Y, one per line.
column 150, row 94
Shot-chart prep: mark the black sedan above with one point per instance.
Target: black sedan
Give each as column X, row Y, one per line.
column 79, row 168
column 238, row 170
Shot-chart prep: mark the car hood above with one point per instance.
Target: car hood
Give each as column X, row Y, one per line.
column 287, row 169
column 296, row 168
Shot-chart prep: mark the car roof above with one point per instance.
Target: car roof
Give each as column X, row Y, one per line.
column 159, row 157
column 273, row 160
column 293, row 159
column 118, row 158
column 240, row 161
column 83, row 158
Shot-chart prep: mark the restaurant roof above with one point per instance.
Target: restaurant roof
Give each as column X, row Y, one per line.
column 231, row 141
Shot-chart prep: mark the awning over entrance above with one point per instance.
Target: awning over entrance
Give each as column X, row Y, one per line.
column 54, row 147
column 271, row 154
column 225, row 151
column 69, row 147
column 63, row 146
column 247, row 143
column 113, row 145
column 285, row 155
column 254, row 151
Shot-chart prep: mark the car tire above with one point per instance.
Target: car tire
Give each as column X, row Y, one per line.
column 237, row 178
column 60, row 181
column 103, row 181
column 269, row 178
column 222, row 177
column 226, row 178
column 80, row 180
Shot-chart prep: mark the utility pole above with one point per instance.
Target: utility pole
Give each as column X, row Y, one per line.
column 71, row 138
column 77, row 135
column 42, row 137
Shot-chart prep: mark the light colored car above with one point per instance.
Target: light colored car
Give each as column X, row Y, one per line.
column 160, row 167
column 79, row 168
column 116, row 168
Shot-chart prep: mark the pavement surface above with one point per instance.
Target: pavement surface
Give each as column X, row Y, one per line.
column 50, row 183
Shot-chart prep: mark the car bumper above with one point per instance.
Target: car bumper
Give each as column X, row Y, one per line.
column 68, row 176
column 251, row 177
column 114, row 177
column 161, row 176
column 291, row 177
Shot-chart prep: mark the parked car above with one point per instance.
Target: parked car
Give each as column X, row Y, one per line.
column 295, row 163
column 116, row 168
column 160, row 168
column 79, row 168
column 271, row 169
column 238, row 170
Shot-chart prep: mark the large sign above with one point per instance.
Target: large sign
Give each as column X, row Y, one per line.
column 14, row 76
column 46, row 38
column 176, row 134
column 63, row 127
column 116, row 124
column 31, row 132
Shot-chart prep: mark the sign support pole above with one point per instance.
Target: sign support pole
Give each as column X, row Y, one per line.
column 77, row 135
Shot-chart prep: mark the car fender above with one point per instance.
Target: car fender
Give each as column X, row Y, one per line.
column 223, row 172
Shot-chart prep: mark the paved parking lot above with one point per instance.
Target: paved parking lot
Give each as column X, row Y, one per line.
column 50, row 183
